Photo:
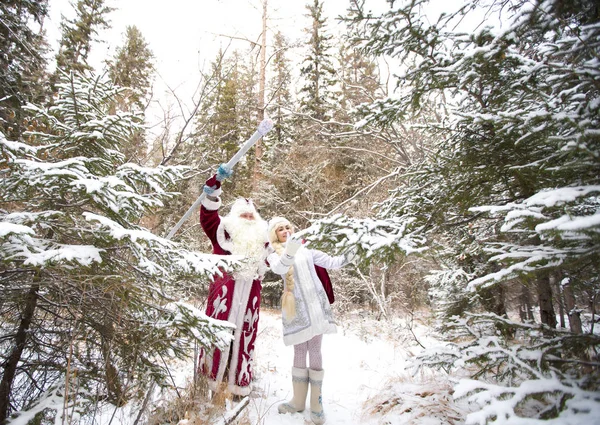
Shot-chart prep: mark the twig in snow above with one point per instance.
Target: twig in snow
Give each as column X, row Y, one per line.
column 230, row 416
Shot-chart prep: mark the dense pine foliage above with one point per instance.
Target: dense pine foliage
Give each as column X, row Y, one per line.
column 91, row 300
column 507, row 199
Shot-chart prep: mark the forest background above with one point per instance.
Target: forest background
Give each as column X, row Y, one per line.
column 457, row 152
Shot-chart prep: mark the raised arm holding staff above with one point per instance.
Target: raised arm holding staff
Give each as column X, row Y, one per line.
column 225, row 170
column 234, row 297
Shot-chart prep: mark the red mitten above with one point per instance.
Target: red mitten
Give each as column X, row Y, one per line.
column 213, row 182
column 211, row 185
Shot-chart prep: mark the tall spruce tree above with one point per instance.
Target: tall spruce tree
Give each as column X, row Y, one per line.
column 299, row 188
column 132, row 68
column 22, row 62
column 359, row 79
column 217, row 118
column 247, row 94
column 227, row 117
column 318, row 72
column 360, row 154
column 78, row 34
column 90, row 299
column 280, row 107
column 213, row 139
column 279, row 98
column 493, row 161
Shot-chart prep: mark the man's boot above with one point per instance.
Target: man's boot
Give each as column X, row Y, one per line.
column 300, row 387
column 317, row 414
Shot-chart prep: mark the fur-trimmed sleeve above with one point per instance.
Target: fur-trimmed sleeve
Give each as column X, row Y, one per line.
column 326, row 261
column 279, row 264
column 210, row 220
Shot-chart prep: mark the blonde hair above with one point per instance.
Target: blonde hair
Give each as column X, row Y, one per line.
column 288, row 301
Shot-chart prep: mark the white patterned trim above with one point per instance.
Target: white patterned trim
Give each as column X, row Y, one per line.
column 316, row 376
column 225, row 243
column 240, row 299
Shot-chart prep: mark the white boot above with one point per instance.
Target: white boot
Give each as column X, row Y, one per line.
column 300, row 387
column 317, row 414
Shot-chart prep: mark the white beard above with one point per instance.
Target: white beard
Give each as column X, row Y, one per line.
column 247, row 239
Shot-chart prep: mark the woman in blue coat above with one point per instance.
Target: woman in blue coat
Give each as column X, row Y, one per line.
column 306, row 312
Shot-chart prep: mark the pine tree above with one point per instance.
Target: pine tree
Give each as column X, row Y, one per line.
column 247, row 95
column 22, row 62
column 90, row 299
column 318, row 70
column 280, row 102
column 295, row 170
column 347, row 158
column 358, row 79
column 132, row 68
column 227, row 117
column 216, row 118
column 479, row 162
column 206, row 147
column 77, row 35
column 360, row 153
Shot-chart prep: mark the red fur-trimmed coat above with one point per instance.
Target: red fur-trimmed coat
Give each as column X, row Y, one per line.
column 238, row 302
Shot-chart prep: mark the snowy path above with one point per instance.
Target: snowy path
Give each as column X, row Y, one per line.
column 357, row 367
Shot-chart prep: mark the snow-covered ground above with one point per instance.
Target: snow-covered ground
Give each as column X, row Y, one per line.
column 365, row 378
column 357, row 368
column 363, row 361
column 365, row 382
column 368, row 380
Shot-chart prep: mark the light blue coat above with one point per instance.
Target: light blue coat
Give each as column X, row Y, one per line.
column 313, row 311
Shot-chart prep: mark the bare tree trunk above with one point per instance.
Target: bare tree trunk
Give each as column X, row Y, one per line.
column 500, row 308
column 379, row 299
column 593, row 296
column 572, row 312
column 383, row 289
column 544, row 290
column 10, row 367
column 559, row 299
column 526, row 309
column 385, row 277
column 113, row 381
column 258, row 150
column 492, row 299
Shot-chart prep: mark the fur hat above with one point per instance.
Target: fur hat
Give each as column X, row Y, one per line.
column 273, row 223
column 231, row 223
column 243, row 205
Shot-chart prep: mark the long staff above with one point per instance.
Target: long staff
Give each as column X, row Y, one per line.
column 263, row 128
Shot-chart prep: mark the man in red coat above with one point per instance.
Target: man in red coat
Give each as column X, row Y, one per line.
column 234, row 296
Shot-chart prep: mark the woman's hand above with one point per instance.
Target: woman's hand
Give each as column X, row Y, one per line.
column 292, row 246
